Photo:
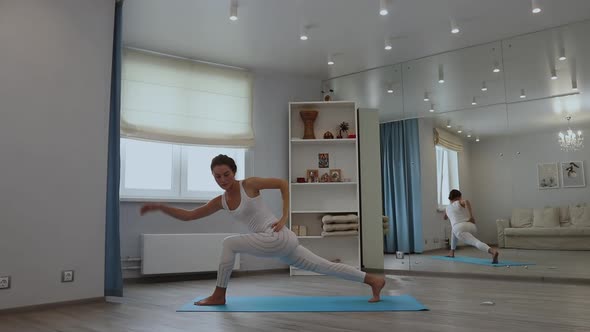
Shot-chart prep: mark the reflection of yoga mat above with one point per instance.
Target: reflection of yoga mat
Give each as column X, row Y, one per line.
column 480, row 261
column 309, row 304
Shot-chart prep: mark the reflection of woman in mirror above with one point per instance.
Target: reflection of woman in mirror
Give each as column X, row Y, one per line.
column 461, row 216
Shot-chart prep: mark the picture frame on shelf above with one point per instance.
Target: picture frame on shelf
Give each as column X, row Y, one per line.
column 325, row 177
column 312, row 175
column 572, row 174
column 323, row 160
column 335, row 175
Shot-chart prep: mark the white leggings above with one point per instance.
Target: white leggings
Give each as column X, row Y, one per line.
column 464, row 231
column 283, row 245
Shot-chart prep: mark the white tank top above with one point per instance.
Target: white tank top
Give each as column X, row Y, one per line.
column 456, row 213
column 252, row 212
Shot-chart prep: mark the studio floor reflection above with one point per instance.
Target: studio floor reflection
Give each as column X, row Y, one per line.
column 547, row 263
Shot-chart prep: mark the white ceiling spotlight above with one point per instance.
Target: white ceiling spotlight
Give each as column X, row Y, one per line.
column 496, row 67
column 454, row 27
column 473, row 101
column 441, row 74
column 233, row 10
column 575, row 84
column 522, row 94
column 383, row 7
column 431, row 108
column 484, row 87
column 553, row 73
column 459, row 130
column 449, row 124
column 390, row 88
column 562, row 54
column 469, row 135
column 535, row 8
column 388, row 44
column 477, row 139
column 331, row 60
column 303, row 34
column 426, row 98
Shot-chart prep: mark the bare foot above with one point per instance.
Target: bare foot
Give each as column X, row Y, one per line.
column 377, row 284
column 212, row 300
column 217, row 298
column 495, row 255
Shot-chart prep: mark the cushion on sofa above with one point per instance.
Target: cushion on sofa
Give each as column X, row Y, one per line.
column 546, row 217
column 580, row 215
column 564, row 216
column 534, row 231
column 521, row 218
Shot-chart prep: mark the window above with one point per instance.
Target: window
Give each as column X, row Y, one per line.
column 170, row 171
column 447, row 174
column 168, row 99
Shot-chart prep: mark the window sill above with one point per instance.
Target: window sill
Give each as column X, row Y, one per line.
column 163, row 199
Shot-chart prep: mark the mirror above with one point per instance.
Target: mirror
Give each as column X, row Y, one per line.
column 498, row 114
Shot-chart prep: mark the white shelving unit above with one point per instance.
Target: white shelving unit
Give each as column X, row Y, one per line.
column 311, row 201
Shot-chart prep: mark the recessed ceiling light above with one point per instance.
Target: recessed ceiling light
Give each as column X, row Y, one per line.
column 484, row 87
column 535, row 8
column 473, row 102
column 330, row 60
column 522, row 94
column 383, row 11
column 441, row 74
column 431, row 108
column 233, row 10
column 454, row 27
column 426, row 98
column 388, row 45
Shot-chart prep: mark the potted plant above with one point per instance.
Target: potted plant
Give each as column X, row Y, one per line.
column 343, row 128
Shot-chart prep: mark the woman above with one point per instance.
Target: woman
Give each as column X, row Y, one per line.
column 461, row 216
column 267, row 238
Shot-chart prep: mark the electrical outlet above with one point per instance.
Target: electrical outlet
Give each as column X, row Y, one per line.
column 4, row 282
column 67, row 276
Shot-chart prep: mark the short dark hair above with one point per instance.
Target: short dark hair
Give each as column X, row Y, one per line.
column 222, row 159
column 454, row 194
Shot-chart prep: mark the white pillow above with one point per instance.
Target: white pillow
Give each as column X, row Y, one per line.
column 521, row 218
column 546, row 217
column 580, row 215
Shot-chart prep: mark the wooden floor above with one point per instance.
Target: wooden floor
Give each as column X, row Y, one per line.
column 455, row 305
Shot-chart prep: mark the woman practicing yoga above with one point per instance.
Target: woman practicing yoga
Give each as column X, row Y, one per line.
column 461, row 216
column 267, row 238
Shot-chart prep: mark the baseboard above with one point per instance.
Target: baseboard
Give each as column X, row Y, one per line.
column 455, row 275
column 53, row 305
column 196, row 276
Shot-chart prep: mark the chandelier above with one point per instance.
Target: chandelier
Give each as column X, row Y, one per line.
column 570, row 140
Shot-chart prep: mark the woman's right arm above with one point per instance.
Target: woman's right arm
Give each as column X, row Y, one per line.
column 211, row 207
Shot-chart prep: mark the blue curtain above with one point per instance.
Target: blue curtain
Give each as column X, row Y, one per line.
column 402, row 194
column 113, row 279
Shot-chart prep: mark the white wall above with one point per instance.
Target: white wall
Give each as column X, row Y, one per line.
column 55, row 63
column 268, row 158
column 504, row 182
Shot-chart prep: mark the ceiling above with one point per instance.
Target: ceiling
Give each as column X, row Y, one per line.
column 266, row 35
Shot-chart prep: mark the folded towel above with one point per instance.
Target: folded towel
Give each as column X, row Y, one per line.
column 341, row 227
column 341, row 219
column 340, row 233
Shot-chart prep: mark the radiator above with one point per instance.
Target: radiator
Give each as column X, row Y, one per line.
column 182, row 253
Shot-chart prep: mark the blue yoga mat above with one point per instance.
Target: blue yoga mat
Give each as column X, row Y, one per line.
column 480, row 261
column 308, row 304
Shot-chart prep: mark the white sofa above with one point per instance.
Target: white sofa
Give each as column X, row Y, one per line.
column 555, row 228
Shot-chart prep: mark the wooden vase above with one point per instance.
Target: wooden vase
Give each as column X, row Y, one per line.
column 308, row 117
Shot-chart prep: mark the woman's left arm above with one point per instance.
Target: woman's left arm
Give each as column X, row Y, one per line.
column 258, row 184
